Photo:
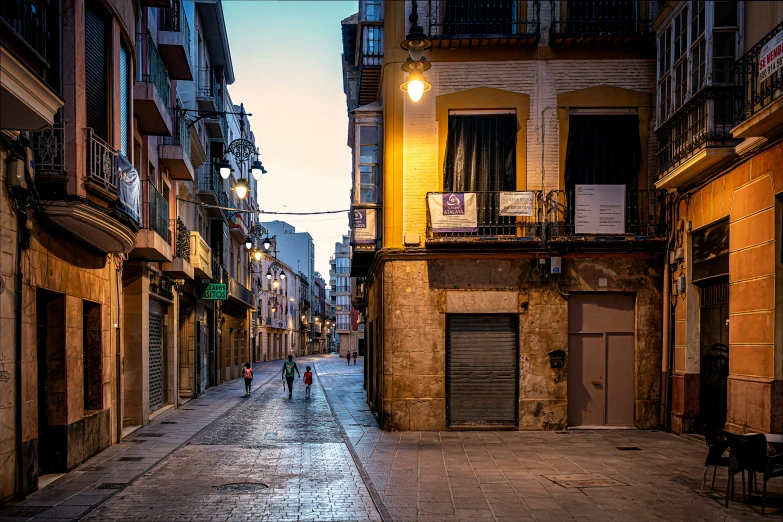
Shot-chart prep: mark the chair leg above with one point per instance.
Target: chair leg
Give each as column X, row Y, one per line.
column 744, row 498
column 714, row 472
column 729, row 482
column 764, row 496
column 703, row 480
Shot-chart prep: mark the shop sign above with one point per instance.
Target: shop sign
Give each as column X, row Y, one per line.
column 517, row 204
column 600, row 209
column 453, row 212
column 214, row 292
column 771, row 57
column 364, row 225
column 278, row 323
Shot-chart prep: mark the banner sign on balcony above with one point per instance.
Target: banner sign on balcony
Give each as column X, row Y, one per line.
column 517, row 204
column 364, row 225
column 453, row 212
column 214, row 292
column 771, row 57
column 600, row 209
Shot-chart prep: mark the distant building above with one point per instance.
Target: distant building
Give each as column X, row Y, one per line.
column 348, row 337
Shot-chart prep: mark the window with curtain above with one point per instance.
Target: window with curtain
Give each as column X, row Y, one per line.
column 603, row 150
column 480, row 153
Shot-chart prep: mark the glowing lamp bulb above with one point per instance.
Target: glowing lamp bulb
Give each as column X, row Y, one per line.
column 415, row 90
column 257, row 255
column 241, row 188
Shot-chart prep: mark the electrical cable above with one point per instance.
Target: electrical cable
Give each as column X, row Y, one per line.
column 249, row 211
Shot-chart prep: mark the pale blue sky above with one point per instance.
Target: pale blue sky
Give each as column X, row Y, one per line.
column 287, row 65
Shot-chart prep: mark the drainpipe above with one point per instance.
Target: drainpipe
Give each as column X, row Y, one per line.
column 118, row 353
column 665, row 340
column 668, row 419
column 21, row 235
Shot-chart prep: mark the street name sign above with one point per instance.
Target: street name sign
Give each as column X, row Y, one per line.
column 214, row 292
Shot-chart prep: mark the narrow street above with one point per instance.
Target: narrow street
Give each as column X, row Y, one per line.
column 230, row 458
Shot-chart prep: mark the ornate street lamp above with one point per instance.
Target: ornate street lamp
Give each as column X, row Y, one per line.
column 416, row 42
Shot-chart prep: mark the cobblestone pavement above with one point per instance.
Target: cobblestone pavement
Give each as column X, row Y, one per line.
column 293, row 447
column 511, row 476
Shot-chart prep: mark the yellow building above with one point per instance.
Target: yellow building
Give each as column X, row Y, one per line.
column 536, row 307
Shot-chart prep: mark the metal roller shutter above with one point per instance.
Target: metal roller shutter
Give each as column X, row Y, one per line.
column 482, row 370
column 156, row 361
column 96, row 81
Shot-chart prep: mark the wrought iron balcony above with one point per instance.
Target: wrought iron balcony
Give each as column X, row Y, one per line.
column 610, row 21
column 217, row 270
column 645, row 217
column 28, row 19
column 704, row 121
column 175, row 153
column 757, row 94
column 155, row 212
column 241, row 295
column 155, row 71
column 101, row 164
column 481, row 23
column 174, row 19
column 492, row 226
column 49, row 149
column 210, row 186
column 182, row 244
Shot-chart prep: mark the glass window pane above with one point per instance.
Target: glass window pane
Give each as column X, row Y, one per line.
column 697, row 19
column 366, row 175
column 368, row 154
column 725, row 13
column 367, row 195
column 368, row 134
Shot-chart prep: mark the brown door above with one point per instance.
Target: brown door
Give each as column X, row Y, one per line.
column 601, row 359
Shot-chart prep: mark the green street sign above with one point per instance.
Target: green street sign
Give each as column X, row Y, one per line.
column 214, row 292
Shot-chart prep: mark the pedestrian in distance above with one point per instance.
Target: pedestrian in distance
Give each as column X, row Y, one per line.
column 247, row 373
column 289, row 367
column 308, row 380
column 348, row 358
column 355, row 356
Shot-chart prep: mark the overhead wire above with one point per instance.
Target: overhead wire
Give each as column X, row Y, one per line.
column 251, row 211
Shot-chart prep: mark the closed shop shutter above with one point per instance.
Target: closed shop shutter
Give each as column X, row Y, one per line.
column 156, row 361
column 96, row 81
column 482, row 370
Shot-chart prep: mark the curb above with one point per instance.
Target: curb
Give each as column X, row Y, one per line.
column 376, row 498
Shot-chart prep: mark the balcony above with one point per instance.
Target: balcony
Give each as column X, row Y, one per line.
column 180, row 266
column 696, row 137
column 208, row 89
column 370, row 61
column 240, row 295
column 48, row 147
column 153, row 242
column 174, row 152
column 359, row 294
column 645, row 219
column 102, row 167
column 174, row 41
column 27, row 102
column 494, row 228
column 475, row 23
column 759, row 103
column 211, row 191
column 217, row 124
column 590, row 22
column 341, row 289
column 200, row 256
column 238, row 227
column 219, row 274
column 152, row 90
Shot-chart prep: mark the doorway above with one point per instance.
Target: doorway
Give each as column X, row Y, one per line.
column 52, row 386
column 601, row 359
column 714, row 351
column 482, row 370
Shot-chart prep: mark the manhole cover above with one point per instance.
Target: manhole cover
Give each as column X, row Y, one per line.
column 22, row 511
column 154, row 434
column 203, row 405
column 130, row 459
column 584, row 480
column 91, row 468
column 168, row 422
column 629, row 448
column 241, row 487
column 111, row 485
column 138, row 441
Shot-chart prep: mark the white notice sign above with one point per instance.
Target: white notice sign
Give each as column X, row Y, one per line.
column 600, row 209
column 771, row 57
column 517, row 204
column 453, row 211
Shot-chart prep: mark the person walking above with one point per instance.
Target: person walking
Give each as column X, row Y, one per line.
column 308, row 380
column 247, row 373
column 289, row 367
column 355, row 356
column 348, row 358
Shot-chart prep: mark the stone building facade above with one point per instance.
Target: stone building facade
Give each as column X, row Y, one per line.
column 537, row 296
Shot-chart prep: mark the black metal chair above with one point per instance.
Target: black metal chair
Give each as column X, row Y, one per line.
column 749, row 453
column 716, row 447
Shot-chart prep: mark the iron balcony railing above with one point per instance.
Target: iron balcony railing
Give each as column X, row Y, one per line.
column 210, row 181
column 753, row 93
column 339, row 289
column 488, row 18
column 705, row 120
column 207, row 82
column 217, row 270
column 152, row 69
column 101, row 163
column 181, row 240
column 645, row 215
column 180, row 131
column 174, row 19
column 238, row 291
column 155, row 212
column 28, row 19
column 49, row 148
column 604, row 18
column 491, row 225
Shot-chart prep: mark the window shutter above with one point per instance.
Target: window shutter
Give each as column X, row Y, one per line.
column 124, row 100
column 96, row 94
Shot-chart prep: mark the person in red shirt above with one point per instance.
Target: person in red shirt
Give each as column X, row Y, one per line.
column 308, row 380
column 247, row 373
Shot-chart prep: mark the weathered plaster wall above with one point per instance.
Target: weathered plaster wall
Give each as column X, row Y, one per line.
column 417, row 295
